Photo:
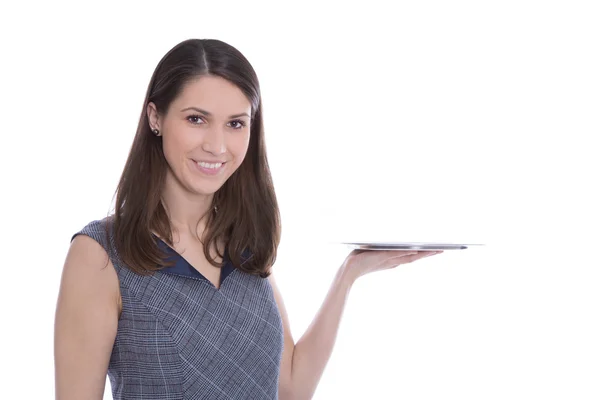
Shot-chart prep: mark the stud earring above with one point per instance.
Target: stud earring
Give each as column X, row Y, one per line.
column 156, row 132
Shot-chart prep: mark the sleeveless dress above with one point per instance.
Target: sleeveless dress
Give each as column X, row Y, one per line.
column 179, row 337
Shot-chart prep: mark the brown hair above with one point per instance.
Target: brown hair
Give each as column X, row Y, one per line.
column 248, row 216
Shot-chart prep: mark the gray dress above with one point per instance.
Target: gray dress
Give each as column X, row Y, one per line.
column 179, row 337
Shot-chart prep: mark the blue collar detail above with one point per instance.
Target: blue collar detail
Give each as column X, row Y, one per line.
column 183, row 267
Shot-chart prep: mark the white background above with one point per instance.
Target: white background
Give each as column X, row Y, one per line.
column 463, row 121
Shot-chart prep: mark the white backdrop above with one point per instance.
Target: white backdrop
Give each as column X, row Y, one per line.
column 462, row 121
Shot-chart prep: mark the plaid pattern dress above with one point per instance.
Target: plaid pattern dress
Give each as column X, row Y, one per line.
column 179, row 337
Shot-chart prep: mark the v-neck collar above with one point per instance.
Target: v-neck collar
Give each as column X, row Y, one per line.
column 183, row 268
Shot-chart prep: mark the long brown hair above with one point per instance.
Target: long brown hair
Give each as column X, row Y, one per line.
column 247, row 216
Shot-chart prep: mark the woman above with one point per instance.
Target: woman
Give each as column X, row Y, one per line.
column 172, row 295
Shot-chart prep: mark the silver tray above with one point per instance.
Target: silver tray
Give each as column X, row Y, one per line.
column 408, row 245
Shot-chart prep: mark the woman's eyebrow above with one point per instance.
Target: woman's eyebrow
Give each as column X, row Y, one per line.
column 210, row 114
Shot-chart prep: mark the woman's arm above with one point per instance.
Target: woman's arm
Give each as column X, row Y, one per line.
column 303, row 363
column 85, row 328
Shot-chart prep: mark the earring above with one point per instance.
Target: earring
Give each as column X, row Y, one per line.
column 156, row 132
column 215, row 209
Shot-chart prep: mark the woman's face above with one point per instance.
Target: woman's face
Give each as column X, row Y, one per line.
column 207, row 124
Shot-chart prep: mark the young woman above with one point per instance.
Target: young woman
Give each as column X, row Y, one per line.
column 173, row 295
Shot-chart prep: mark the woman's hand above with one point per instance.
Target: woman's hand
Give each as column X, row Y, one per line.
column 362, row 262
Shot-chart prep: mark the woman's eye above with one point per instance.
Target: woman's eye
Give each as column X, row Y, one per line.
column 192, row 117
column 240, row 123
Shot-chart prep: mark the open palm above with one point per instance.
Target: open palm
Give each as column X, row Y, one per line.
column 361, row 262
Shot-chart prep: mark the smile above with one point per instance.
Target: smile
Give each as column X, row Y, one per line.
column 208, row 168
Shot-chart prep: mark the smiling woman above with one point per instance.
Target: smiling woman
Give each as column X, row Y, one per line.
column 213, row 144
column 184, row 309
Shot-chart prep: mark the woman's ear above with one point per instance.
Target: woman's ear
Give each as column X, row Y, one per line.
column 153, row 117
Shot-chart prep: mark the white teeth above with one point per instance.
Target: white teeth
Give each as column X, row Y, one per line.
column 207, row 165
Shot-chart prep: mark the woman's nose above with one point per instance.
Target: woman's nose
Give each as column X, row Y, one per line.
column 214, row 141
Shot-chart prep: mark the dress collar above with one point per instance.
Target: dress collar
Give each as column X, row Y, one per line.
column 183, row 268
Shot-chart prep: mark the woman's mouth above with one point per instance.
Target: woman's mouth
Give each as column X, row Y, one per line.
column 208, row 168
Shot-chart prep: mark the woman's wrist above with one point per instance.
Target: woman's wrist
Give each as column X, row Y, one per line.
column 347, row 275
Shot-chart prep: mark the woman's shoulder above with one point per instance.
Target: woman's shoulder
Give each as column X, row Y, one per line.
column 90, row 251
column 97, row 229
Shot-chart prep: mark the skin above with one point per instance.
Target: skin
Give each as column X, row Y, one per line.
column 89, row 301
column 187, row 193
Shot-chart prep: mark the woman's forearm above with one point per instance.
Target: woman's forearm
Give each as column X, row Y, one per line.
column 313, row 350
